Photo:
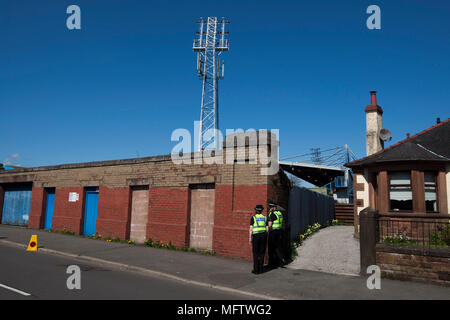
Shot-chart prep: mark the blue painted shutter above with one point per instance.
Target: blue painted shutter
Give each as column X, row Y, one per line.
column 16, row 206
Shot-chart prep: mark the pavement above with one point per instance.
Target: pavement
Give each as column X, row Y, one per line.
column 228, row 275
column 333, row 250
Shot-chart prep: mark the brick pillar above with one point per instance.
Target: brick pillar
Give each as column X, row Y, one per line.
column 418, row 191
column 37, row 209
column 442, row 193
column 368, row 237
column 383, row 192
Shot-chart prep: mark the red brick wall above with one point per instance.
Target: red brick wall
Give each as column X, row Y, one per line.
column 278, row 189
column 168, row 215
column 113, row 217
column 238, row 189
column 233, row 209
column 68, row 216
column 37, row 212
column 414, row 267
column 169, row 211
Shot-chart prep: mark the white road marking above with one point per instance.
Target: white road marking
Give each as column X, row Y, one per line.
column 15, row 290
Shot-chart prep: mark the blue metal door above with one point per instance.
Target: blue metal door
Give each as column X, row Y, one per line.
column 16, row 205
column 90, row 211
column 50, row 205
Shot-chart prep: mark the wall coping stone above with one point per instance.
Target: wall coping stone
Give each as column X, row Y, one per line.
column 431, row 252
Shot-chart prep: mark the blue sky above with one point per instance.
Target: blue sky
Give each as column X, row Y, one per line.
column 118, row 87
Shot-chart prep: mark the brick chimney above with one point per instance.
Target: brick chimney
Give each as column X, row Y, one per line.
column 374, row 123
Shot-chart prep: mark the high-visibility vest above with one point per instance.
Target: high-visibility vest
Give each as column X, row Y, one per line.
column 276, row 225
column 259, row 223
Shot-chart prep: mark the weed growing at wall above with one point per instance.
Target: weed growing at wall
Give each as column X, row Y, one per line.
column 62, row 232
column 170, row 246
column 148, row 243
column 159, row 244
column 108, row 239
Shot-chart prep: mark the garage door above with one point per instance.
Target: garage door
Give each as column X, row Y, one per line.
column 16, row 205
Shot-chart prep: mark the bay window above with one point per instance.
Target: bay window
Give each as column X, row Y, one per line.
column 400, row 191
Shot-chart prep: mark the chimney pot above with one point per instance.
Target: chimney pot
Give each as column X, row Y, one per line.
column 373, row 98
column 407, row 135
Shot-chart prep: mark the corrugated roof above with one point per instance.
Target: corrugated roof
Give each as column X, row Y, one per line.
column 318, row 175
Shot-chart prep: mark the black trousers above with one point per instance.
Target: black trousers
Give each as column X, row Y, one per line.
column 259, row 251
column 275, row 247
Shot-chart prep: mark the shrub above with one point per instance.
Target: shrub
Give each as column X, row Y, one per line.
column 399, row 240
column 445, row 233
column 441, row 237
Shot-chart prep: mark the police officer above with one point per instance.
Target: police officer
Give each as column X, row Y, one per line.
column 275, row 225
column 258, row 238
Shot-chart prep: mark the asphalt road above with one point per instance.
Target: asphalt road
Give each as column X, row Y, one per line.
column 35, row 275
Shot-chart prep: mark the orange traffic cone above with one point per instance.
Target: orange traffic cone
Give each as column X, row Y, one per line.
column 32, row 245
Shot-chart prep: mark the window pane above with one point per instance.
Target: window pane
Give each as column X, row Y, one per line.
column 400, row 192
column 401, row 198
column 402, row 177
column 430, row 191
column 430, row 178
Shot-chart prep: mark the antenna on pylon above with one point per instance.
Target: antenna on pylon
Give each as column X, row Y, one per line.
column 210, row 44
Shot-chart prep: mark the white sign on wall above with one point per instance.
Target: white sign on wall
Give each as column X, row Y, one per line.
column 73, row 197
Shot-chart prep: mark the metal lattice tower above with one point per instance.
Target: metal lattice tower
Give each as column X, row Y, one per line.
column 210, row 44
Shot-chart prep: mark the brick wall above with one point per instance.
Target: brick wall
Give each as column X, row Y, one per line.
column 113, row 216
column 416, row 263
column 406, row 264
column 361, row 196
column 233, row 209
column 168, row 215
column 239, row 187
column 36, row 218
column 67, row 216
column 278, row 189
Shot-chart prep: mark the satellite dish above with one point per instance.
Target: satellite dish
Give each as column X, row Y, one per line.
column 385, row 135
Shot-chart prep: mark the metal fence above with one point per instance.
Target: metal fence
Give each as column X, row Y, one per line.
column 307, row 207
column 424, row 233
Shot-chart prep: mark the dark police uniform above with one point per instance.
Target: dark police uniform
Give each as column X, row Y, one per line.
column 259, row 239
column 275, row 239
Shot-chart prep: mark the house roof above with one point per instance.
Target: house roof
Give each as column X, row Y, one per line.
column 432, row 144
